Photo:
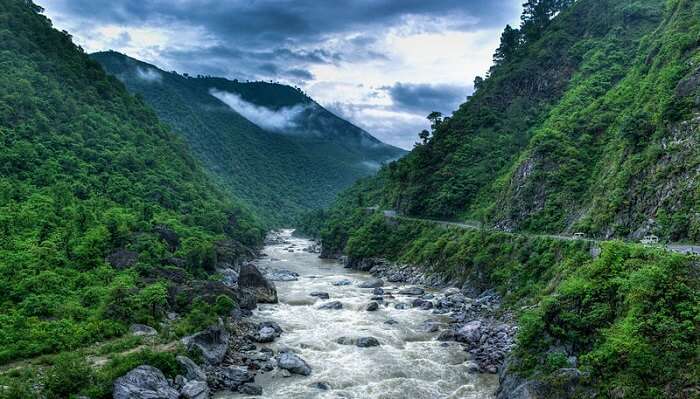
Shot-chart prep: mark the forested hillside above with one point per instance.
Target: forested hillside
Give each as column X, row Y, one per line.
column 586, row 122
column 101, row 207
column 291, row 156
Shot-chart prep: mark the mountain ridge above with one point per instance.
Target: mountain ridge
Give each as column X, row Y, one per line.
column 280, row 174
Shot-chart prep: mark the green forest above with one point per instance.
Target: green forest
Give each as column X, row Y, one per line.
column 88, row 173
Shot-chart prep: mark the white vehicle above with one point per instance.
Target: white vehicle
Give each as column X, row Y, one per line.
column 650, row 240
column 579, row 236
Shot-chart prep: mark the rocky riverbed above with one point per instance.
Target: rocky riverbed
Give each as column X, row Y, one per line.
column 340, row 329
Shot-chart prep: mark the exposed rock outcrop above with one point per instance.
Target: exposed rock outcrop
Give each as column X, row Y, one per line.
column 144, row 382
column 252, row 280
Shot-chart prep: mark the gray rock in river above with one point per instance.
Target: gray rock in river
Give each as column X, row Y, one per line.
column 372, row 283
column 469, row 333
column 320, row 294
column 342, row 282
column 268, row 331
column 293, row 363
column 195, row 390
column 250, row 389
column 251, row 279
column 282, row 275
column 378, row 291
column 192, row 370
column 372, row 306
column 212, row 342
column 401, row 306
column 391, row 322
column 334, row 305
column 366, row 342
column 361, row 342
column 144, row 382
column 412, row 291
column 323, row 386
column 230, row 377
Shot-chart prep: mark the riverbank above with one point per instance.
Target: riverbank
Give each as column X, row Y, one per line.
column 587, row 326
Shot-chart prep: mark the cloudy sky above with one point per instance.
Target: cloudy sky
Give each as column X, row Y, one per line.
column 382, row 64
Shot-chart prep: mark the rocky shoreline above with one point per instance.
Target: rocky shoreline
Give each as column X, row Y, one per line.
column 477, row 321
column 229, row 355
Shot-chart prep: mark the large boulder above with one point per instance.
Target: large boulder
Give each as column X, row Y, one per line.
column 361, row 342
column 142, row 330
column 412, row 291
column 231, row 377
column 195, row 390
column 293, row 363
column 282, row 275
column 192, row 370
column 251, row 279
column 333, row 305
column 268, row 331
column 469, row 333
column 320, row 294
column 144, row 382
column 212, row 343
column 372, row 283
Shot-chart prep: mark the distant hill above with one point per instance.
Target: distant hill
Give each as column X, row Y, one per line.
column 269, row 144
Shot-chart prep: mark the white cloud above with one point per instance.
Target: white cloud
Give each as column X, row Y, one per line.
column 283, row 120
column 149, row 74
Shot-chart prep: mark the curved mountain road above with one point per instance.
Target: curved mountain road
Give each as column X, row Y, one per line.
column 473, row 225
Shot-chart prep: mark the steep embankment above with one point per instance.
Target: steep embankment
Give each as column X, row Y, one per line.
column 587, row 122
column 105, row 218
column 269, row 144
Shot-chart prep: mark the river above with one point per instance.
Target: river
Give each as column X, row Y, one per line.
column 409, row 363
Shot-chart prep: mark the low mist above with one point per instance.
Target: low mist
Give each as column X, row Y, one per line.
column 282, row 120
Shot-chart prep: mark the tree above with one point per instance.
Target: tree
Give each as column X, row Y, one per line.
column 478, row 82
column 424, row 136
column 435, row 119
column 537, row 14
column 510, row 43
column 153, row 297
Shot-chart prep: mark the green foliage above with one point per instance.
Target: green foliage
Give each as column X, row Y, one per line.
column 278, row 175
column 86, row 171
column 630, row 316
column 224, row 305
column 68, row 375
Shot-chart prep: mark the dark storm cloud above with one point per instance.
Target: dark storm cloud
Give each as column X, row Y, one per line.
column 426, row 98
column 274, row 22
column 253, row 34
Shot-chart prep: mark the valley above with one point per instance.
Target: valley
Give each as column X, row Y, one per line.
column 171, row 234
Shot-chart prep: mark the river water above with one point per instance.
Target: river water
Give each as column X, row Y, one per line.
column 410, row 363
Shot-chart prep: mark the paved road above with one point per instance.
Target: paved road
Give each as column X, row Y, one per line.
column 679, row 248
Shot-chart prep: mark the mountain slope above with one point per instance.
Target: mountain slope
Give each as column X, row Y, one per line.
column 589, row 128
column 101, row 207
column 589, row 125
column 297, row 157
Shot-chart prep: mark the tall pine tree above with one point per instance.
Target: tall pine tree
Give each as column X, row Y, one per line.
column 510, row 42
